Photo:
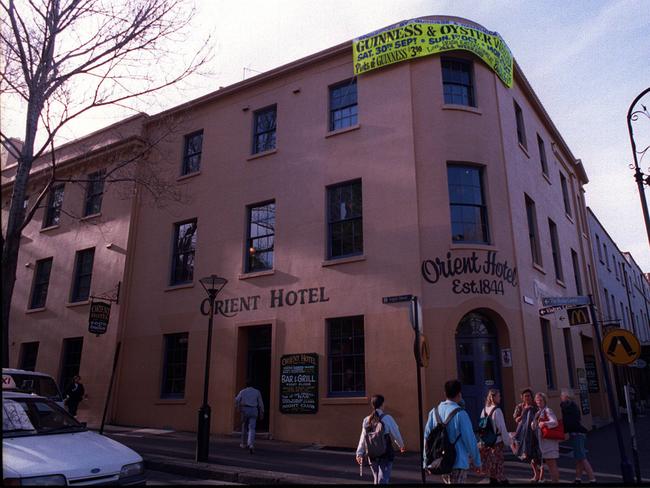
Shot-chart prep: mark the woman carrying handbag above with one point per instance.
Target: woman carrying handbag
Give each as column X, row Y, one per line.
column 549, row 434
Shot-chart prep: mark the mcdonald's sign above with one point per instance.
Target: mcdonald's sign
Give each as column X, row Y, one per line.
column 578, row 316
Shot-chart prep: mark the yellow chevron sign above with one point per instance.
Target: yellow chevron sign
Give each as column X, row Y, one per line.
column 621, row 346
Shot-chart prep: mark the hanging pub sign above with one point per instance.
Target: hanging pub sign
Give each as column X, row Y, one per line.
column 299, row 383
column 100, row 313
column 592, row 374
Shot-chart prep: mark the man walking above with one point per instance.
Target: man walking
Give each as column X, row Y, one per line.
column 251, row 407
column 459, row 430
column 74, row 394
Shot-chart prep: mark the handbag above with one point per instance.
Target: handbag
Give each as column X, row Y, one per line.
column 554, row 433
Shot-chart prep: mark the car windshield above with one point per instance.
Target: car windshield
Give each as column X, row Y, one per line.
column 35, row 416
column 41, row 385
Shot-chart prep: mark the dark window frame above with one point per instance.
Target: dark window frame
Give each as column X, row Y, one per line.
column 94, row 193
column 467, row 91
column 28, row 355
column 547, row 349
column 352, row 117
column 565, row 194
column 555, row 249
column 180, row 275
column 78, row 292
column 533, row 230
column 251, row 251
column 576, row 271
column 41, row 283
column 521, row 126
column 338, row 324
column 351, row 226
column 70, row 360
column 570, row 360
column 260, row 142
column 482, row 206
column 189, row 167
column 169, row 386
column 52, row 215
column 541, row 147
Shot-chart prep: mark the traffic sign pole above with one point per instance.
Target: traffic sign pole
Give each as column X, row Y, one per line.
column 416, row 350
column 626, row 467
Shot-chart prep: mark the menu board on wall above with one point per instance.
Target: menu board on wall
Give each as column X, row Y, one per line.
column 592, row 374
column 299, row 383
column 584, row 391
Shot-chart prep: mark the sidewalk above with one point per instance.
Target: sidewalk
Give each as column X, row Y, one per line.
column 278, row 462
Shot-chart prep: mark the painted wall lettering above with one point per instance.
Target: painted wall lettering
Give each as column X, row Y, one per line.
column 497, row 273
column 278, row 297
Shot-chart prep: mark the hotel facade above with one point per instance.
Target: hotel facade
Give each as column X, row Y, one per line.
column 316, row 194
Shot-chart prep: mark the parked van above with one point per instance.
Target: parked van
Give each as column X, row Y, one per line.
column 32, row 382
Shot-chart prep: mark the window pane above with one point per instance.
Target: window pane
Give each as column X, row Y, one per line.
column 346, row 356
column 345, row 217
column 185, row 238
column 261, row 237
column 175, row 364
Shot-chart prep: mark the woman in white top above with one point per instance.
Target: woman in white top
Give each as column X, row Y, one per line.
column 492, row 456
column 382, row 466
column 550, row 448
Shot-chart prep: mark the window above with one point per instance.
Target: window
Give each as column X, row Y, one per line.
column 616, row 267
column 542, row 154
column 192, row 153
column 54, row 204
column 533, row 234
column 261, row 237
column 555, row 247
column 41, row 283
column 521, row 129
column 28, row 355
column 264, row 130
column 83, row 272
column 565, row 194
column 600, row 252
column 467, row 204
column 548, row 353
column 71, row 360
column 174, row 365
column 26, row 202
column 457, row 82
column 94, row 193
column 576, row 272
column 346, row 357
column 343, row 105
column 183, row 255
column 613, row 307
column 570, row 363
column 345, row 219
column 606, row 255
column 609, row 310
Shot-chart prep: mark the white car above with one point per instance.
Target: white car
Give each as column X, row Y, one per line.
column 33, row 382
column 44, row 445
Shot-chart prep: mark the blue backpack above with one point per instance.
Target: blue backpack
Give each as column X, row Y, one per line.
column 486, row 432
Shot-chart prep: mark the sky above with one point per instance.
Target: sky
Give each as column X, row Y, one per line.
column 586, row 61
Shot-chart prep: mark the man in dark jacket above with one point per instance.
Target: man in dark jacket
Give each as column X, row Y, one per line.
column 74, row 394
column 577, row 435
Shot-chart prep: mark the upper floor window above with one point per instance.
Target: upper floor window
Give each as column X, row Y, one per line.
column 467, row 204
column 565, row 194
column 576, row 271
column 533, row 233
column 542, row 154
column 346, row 356
column 264, row 129
column 600, row 252
column 606, row 255
column 94, row 193
column 457, row 82
column 548, row 353
column 83, row 272
column 555, row 248
column 41, row 283
column 183, row 254
column 521, row 129
column 345, row 219
column 192, row 152
column 343, row 105
column 174, row 365
column 261, row 237
column 54, row 204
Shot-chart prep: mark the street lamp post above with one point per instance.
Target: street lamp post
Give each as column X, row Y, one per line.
column 212, row 285
column 640, row 178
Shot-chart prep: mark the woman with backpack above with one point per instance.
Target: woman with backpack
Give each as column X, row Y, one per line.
column 378, row 433
column 493, row 435
column 545, row 420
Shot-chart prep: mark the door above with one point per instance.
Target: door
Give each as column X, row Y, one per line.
column 258, row 368
column 477, row 353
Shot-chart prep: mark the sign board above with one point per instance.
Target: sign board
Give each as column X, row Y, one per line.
column 621, row 346
column 592, row 374
column 299, row 383
column 584, row 390
column 397, row 299
column 639, row 363
column 506, row 358
column 566, row 301
column 8, row 382
column 578, row 315
column 100, row 313
column 547, row 310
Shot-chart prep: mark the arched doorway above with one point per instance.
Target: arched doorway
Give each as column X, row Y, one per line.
column 477, row 356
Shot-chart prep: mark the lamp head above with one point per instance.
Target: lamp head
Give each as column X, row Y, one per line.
column 213, row 284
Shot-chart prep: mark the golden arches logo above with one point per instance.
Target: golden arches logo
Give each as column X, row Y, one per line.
column 578, row 316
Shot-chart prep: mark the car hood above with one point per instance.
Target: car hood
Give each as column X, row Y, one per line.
column 74, row 455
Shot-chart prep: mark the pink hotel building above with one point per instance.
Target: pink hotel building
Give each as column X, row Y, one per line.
column 316, row 193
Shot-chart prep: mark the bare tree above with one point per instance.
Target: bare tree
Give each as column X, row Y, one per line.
column 62, row 58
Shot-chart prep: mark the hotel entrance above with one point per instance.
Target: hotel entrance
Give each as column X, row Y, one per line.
column 254, row 365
